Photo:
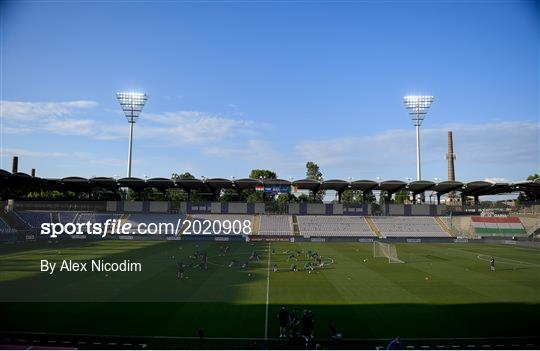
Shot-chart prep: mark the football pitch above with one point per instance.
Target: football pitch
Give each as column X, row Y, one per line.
column 441, row 291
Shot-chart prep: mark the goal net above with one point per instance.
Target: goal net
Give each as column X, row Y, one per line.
column 386, row 250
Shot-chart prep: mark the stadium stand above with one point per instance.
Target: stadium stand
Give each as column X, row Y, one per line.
column 156, row 218
column 6, row 232
column 96, row 217
column 222, row 218
column 67, row 217
column 35, row 219
column 3, row 225
column 275, row 225
column 409, row 227
column 502, row 226
column 333, row 226
column 447, row 221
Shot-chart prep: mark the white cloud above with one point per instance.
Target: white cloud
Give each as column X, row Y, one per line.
column 495, row 180
column 177, row 127
column 30, row 153
column 55, row 117
column 30, row 111
column 193, row 127
column 16, row 130
column 67, row 126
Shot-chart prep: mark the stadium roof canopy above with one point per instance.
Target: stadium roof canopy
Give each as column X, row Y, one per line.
column 364, row 185
column 391, row 186
column 79, row 184
column 446, row 186
column 247, row 183
column 420, row 186
column 307, row 184
column 334, row 184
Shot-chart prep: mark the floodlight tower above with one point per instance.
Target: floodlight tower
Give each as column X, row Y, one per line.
column 132, row 104
column 418, row 107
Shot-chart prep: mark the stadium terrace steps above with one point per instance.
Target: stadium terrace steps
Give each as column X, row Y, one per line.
column 67, row 217
column 373, row 227
column 533, row 230
column 497, row 226
column 256, row 224
column 294, row 221
column 443, row 225
column 3, row 225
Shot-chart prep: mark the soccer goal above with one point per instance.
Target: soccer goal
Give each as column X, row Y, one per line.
column 386, row 250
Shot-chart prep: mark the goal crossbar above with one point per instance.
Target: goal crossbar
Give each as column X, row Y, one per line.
column 388, row 251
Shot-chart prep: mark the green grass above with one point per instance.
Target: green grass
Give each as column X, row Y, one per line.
column 443, row 290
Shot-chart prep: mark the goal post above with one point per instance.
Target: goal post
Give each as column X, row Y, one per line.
column 388, row 251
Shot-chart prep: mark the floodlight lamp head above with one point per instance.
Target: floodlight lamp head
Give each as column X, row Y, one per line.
column 132, row 104
column 418, row 106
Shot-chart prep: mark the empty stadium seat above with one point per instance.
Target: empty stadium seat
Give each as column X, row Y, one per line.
column 275, row 225
column 333, row 226
column 148, row 218
column 221, row 218
column 408, row 226
column 35, row 219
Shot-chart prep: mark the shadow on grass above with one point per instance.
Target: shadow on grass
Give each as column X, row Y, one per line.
column 181, row 319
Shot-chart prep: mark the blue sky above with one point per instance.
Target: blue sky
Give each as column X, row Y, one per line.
column 241, row 85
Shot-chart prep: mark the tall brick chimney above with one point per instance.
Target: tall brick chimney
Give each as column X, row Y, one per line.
column 15, row 164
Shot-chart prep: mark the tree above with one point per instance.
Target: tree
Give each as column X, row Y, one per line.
column 185, row 175
column 529, row 196
column 313, row 172
column 351, row 197
column 302, row 198
column 253, row 196
column 370, row 197
column 383, row 197
column 228, row 195
column 179, row 194
column 357, row 197
column 533, row 176
column 262, row 174
column 282, row 201
column 402, row 197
